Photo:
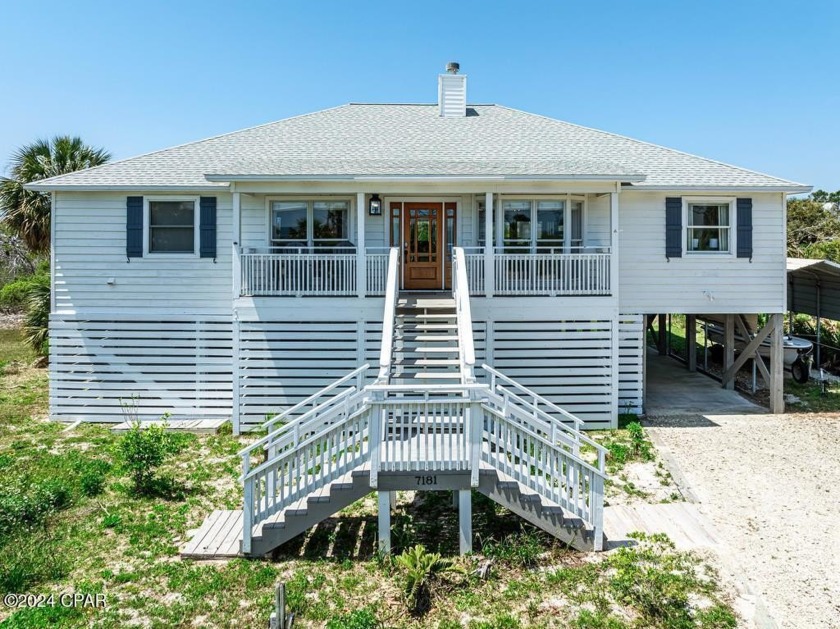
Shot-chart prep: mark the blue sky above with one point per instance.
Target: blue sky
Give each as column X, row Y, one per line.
column 753, row 83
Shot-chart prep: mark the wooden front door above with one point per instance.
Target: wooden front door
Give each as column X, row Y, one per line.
column 423, row 249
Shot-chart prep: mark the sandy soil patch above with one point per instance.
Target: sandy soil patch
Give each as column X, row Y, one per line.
column 770, row 486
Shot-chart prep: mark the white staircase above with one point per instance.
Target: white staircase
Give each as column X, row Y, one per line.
column 423, row 423
column 425, row 342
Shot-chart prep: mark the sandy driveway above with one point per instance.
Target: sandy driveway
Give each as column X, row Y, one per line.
column 770, row 486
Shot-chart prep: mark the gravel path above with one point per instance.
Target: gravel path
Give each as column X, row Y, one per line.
column 770, row 487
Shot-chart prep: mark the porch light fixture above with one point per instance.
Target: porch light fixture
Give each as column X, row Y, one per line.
column 375, row 205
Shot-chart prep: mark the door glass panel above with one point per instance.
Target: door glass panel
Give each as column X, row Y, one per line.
column 433, row 237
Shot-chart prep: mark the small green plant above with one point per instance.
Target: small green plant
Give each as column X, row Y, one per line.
column 639, row 443
column 111, row 520
column 517, row 549
column 363, row 618
column 421, row 571
column 92, row 477
column 142, row 451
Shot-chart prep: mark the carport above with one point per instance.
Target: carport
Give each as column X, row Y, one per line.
column 814, row 289
column 674, row 391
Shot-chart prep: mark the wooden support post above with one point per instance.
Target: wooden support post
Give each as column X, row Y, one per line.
column 361, row 260
column 393, row 500
column 662, row 344
column 384, row 523
column 777, row 364
column 489, row 265
column 465, row 520
column 729, row 351
column 691, row 341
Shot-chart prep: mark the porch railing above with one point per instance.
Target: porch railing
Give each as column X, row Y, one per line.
column 551, row 273
column 300, row 272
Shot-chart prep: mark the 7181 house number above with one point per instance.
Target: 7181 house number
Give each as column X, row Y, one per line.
column 424, row 481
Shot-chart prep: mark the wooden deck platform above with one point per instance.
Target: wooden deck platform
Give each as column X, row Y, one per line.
column 680, row 521
column 217, row 538
column 200, row 426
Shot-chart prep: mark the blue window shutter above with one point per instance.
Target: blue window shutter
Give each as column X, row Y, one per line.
column 745, row 228
column 134, row 227
column 673, row 227
column 207, row 227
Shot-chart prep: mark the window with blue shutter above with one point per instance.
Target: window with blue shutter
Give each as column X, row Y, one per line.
column 134, row 227
column 207, row 227
column 673, row 227
column 745, row 228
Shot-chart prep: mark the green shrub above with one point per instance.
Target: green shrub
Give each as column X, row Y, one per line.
column 421, row 571
column 14, row 295
column 517, row 549
column 23, row 508
column 142, row 451
column 92, row 477
column 30, row 558
column 618, row 452
column 356, row 619
column 37, row 319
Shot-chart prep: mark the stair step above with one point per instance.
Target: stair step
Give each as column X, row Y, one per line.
column 437, row 375
column 426, row 326
column 432, row 350
column 426, row 315
column 428, row 361
column 434, row 338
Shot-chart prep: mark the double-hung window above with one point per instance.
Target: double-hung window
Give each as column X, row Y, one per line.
column 172, row 226
column 709, row 227
column 310, row 223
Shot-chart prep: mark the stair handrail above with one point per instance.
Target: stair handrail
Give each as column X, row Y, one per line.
column 270, row 486
column 575, row 433
column 313, row 399
column 461, row 294
column 565, row 484
column 494, row 374
column 392, row 288
column 300, row 425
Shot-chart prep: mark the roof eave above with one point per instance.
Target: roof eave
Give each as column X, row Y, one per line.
column 790, row 188
column 227, row 178
column 37, row 187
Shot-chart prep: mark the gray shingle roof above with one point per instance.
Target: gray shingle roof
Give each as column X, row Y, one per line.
column 360, row 140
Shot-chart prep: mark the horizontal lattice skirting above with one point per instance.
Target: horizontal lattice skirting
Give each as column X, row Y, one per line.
column 631, row 331
column 567, row 362
column 167, row 364
column 283, row 362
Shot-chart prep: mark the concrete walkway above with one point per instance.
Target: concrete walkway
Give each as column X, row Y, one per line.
column 674, row 390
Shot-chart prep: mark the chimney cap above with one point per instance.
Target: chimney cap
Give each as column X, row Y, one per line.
column 452, row 67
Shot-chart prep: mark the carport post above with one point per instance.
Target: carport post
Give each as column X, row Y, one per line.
column 729, row 348
column 819, row 325
column 777, row 364
column 662, row 346
column 691, row 341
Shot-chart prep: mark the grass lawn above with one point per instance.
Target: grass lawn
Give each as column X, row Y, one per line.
column 70, row 522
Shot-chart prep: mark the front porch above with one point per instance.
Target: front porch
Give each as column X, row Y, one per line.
column 542, row 245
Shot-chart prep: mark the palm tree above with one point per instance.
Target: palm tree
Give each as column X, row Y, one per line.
column 26, row 213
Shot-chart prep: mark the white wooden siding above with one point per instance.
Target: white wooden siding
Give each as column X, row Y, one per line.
column 596, row 221
column 92, row 271
column 164, row 364
column 710, row 283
